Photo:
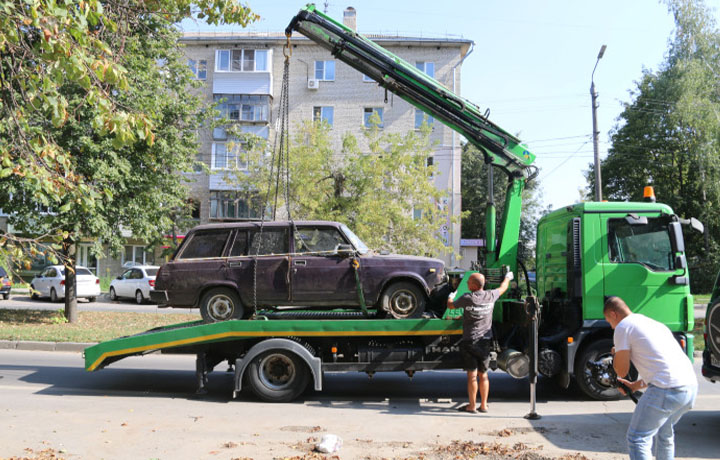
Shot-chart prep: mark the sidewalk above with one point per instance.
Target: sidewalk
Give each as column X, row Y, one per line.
column 30, row 345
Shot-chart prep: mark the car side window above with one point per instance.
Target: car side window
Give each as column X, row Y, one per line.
column 239, row 247
column 137, row 275
column 317, row 240
column 205, row 244
column 270, row 241
column 126, row 275
column 51, row 273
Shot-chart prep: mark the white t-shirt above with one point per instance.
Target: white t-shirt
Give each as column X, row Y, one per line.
column 658, row 357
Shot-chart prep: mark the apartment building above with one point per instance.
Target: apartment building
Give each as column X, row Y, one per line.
column 245, row 71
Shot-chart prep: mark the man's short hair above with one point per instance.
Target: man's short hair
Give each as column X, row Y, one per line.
column 478, row 279
column 616, row 304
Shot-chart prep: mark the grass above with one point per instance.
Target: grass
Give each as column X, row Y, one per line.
column 92, row 326
column 698, row 333
column 701, row 298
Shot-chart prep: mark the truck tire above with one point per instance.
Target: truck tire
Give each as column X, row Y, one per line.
column 712, row 326
column 403, row 299
column 600, row 390
column 277, row 376
column 220, row 304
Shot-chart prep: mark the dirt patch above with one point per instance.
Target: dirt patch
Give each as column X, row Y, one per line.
column 303, row 429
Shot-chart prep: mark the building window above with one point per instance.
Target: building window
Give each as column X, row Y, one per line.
column 417, row 214
column 367, row 115
column 233, row 205
column 228, row 155
column 430, row 161
column 243, row 107
column 323, row 113
column 421, row 116
column 241, row 60
column 325, row 70
column 198, row 68
column 138, row 255
column 427, row 67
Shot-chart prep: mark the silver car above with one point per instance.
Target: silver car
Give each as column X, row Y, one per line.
column 51, row 283
column 135, row 283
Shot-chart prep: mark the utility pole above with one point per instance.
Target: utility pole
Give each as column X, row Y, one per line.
column 594, row 95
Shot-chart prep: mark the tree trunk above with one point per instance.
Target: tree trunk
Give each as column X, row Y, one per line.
column 71, row 313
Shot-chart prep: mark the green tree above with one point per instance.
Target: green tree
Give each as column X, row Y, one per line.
column 98, row 121
column 474, row 187
column 668, row 135
column 373, row 192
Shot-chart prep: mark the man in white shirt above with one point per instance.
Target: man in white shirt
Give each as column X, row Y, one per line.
column 664, row 369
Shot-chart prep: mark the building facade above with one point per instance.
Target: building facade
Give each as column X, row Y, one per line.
column 244, row 73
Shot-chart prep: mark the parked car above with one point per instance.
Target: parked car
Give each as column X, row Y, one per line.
column 136, row 283
column 711, row 355
column 5, row 284
column 51, row 283
column 228, row 269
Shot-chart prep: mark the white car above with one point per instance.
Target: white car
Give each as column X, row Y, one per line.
column 51, row 283
column 136, row 282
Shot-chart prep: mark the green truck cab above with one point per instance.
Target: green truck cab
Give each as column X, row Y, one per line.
column 590, row 251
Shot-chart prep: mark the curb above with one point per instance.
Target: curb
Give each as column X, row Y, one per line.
column 29, row 345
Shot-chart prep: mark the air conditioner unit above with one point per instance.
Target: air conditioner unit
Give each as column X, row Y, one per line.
column 313, row 83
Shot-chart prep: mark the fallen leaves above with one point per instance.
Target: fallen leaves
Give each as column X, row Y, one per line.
column 45, row 454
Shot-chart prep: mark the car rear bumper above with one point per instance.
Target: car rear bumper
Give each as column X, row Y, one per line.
column 159, row 297
column 710, row 372
column 83, row 291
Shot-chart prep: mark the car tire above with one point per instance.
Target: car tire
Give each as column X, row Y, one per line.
column 600, row 390
column 403, row 299
column 139, row 299
column 91, row 299
column 277, row 376
column 113, row 295
column 221, row 304
column 53, row 296
column 6, row 296
column 33, row 294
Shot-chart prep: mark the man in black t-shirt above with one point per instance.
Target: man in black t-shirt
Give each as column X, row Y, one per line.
column 476, row 343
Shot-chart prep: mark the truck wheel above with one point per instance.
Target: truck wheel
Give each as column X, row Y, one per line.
column 403, row 299
column 277, row 376
column 599, row 389
column 220, row 304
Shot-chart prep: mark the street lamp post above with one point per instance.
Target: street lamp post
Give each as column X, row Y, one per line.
column 593, row 93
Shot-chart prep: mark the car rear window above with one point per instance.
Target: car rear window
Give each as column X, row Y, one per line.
column 205, row 244
column 151, row 271
column 83, row 271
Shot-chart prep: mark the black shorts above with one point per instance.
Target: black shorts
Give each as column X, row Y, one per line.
column 476, row 355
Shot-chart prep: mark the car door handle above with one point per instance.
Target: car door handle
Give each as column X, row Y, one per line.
column 235, row 264
column 300, row 262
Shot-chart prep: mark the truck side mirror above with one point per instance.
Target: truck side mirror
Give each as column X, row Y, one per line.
column 697, row 225
column 676, row 237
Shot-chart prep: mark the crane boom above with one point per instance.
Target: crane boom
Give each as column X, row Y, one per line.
column 416, row 87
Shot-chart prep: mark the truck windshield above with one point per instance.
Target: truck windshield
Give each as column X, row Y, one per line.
column 647, row 244
column 357, row 242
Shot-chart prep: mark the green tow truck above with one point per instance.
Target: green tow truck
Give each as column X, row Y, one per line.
column 585, row 252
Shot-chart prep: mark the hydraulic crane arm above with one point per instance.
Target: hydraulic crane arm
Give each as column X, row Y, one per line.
column 427, row 94
column 416, row 87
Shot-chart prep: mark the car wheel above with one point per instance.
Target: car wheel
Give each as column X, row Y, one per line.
column 599, row 387
column 277, row 376
column 221, row 304
column 6, row 296
column 139, row 299
column 53, row 296
column 34, row 295
column 404, row 299
column 91, row 299
column 113, row 295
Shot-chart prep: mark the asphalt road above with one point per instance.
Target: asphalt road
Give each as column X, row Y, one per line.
column 103, row 303
column 144, row 407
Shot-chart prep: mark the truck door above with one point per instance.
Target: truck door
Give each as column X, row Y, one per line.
column 319, row 274
column 639, row 267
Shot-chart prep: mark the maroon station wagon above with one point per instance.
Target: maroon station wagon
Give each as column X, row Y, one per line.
column 301, row 263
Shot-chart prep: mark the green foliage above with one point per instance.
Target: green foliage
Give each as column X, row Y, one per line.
column 668, row 136
column 474, row 202
column 374, row 191
column 97, row 119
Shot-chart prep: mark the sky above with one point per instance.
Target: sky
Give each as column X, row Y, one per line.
column 531, row 64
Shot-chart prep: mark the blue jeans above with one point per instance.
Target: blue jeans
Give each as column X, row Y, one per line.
column 655, row 416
